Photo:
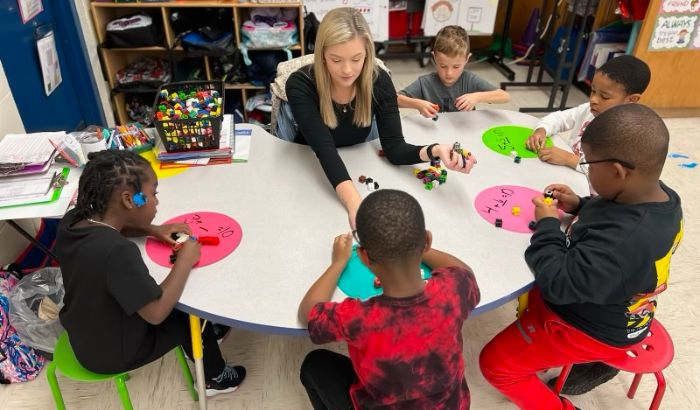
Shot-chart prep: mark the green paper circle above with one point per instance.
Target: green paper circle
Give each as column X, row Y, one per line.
column 357, row 281
column 506, row 138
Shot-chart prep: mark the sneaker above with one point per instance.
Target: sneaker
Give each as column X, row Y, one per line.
column 585, row 377
column 227, row 382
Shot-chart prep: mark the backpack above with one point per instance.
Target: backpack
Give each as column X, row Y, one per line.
column 206, row 41
column 135, row 30
column 18, row 362
column 311, row 25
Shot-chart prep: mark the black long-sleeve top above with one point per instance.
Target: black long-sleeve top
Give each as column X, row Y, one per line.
column 598, row 276
column 302, row 95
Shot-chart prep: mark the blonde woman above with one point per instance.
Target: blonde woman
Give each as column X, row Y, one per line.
column 344, row 99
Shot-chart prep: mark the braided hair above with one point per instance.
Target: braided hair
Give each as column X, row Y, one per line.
column 106, row 171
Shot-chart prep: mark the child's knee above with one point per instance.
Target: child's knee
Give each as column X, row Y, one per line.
column 488, row 361
column 312, row 361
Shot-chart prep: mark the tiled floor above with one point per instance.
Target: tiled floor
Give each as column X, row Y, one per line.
column 273, row 361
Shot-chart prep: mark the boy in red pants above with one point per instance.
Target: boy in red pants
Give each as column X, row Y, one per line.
column 595, row 283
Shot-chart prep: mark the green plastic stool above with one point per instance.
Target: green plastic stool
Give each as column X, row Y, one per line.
column 65, row 361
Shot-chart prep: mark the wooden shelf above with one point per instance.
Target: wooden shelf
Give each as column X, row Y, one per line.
column 168, row 4
column 137, row 49
column 294, row 47
column 243, row 86
column 249, row 5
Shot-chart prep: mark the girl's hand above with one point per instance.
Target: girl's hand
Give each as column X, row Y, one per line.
column 543, row 210
column 427, row 109
column 558, row 156
column 466, row 102
column 163, row 232
column 189, row 253
column 454, row 161
column 566, row 198
column 342, row 249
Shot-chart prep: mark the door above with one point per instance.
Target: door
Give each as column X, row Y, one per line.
column 72, row 104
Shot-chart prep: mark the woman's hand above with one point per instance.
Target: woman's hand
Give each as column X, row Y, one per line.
column 342, row 249
column 453, row 160
column 566, row 198
column 164, row 232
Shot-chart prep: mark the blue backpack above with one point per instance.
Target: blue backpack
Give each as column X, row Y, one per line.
column 18, row 362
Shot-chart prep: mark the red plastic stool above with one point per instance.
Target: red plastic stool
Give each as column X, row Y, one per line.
column 651, row 355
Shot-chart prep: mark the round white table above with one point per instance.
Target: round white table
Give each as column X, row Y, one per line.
column 290, row 214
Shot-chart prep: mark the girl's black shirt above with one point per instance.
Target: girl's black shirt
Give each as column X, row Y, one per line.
column 106, row 283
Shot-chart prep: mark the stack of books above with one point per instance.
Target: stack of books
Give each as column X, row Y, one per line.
column 222, row 155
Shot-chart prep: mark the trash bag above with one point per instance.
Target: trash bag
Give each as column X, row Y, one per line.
column 34, row 306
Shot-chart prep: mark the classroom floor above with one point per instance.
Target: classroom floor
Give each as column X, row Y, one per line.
column 273, row 361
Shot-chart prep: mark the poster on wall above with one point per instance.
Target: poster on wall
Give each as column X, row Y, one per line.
column 677, row 26
column 376, row 12
column 48, row 58
column 29, row 9
column 478, row 17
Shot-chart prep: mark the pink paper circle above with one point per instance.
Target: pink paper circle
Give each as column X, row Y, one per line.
column 223, row 227
column 498, row 202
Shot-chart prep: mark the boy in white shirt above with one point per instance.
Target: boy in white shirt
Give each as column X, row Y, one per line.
column 621, row 80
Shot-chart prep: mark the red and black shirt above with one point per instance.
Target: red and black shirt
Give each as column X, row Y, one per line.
column 406, row 352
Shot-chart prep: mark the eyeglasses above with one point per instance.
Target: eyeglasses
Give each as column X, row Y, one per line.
column 625, row 164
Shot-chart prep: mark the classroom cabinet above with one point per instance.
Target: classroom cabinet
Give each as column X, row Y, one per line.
column 114, row 59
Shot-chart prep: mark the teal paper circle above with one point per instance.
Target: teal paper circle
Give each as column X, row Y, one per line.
column 357, row 281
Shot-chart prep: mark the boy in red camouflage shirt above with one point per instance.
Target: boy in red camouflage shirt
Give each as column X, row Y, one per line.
column 405, row 345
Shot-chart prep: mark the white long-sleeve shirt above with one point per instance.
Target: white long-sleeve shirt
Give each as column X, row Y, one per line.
column 575, row 120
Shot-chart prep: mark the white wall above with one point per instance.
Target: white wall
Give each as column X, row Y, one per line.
column 85, row 17
column 10, row 121
column 11, row 243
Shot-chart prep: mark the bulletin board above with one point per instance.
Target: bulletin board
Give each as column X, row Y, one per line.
column 478, row 17
column 677, row 26
column 376, row 12
column 673, row 83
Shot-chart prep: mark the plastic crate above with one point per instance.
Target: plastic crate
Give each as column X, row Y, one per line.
column 190, row 134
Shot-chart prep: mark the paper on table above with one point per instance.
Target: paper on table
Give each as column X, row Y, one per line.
column 243, row 139
column 32, row 189
column 196, row 161
column 21, row 187
column 28, row 148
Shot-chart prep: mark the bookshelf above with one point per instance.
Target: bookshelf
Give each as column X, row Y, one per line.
column 114, row 59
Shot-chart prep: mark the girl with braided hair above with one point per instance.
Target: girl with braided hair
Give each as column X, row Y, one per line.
column 117, row 317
